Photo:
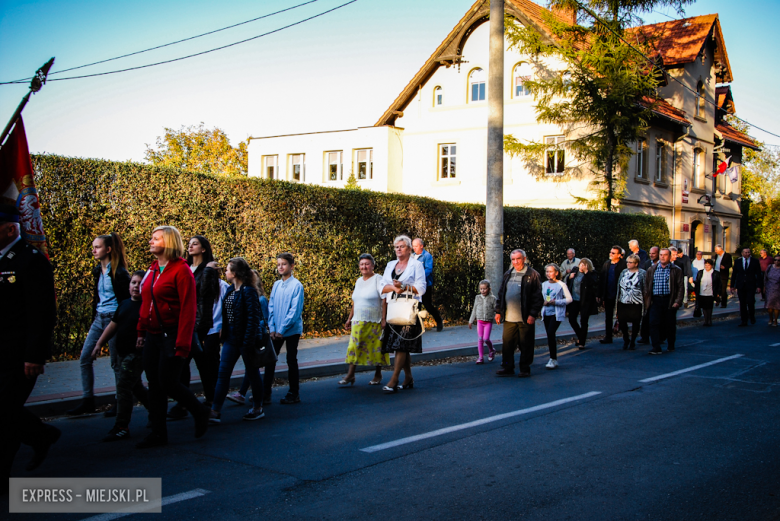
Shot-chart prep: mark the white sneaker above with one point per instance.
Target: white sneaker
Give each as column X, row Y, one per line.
column 552, row 364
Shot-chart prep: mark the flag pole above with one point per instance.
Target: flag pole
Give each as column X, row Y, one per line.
column 37, row 82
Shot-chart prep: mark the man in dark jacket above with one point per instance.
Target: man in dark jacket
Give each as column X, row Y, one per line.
column 608, row 286
column 633, row 245
column 723, row 266
column 664, row 292
column 748, row 280
column 683, row 262
column 518, row 303
column 28, row 312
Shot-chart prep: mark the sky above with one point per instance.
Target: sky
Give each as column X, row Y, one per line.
column 338, row 71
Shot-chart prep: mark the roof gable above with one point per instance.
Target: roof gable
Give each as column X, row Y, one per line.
column 450, row 51
column 681, row 41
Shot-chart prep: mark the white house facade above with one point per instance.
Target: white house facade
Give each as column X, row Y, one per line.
column 432, row 140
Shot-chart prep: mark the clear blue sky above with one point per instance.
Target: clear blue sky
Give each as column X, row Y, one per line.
column 335, row 72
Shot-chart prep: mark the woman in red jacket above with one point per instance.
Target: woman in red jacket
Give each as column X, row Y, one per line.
column 165, row 327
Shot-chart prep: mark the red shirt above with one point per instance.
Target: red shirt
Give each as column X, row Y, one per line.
column 765, row 263
column 174, row 291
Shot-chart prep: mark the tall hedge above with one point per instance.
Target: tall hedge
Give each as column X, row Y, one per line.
column 325, row 228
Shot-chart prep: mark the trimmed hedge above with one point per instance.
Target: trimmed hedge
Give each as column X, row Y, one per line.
column 325, row 228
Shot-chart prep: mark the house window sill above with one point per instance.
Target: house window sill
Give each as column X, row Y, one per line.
column 661, row 184
column 641, row 180
column 695, row 190
column 699, row 118
column 446, row 182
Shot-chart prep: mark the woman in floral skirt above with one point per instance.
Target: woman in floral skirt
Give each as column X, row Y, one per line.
column 366, row 321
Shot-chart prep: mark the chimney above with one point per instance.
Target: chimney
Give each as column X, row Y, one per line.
column 569, row 15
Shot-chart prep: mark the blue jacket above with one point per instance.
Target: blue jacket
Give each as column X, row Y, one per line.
column 427, row 261
column 243, row 329
column 285, row 307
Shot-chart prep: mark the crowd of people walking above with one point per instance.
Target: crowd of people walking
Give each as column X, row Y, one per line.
column 184, row 307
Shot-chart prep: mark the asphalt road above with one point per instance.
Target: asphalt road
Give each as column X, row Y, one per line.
column 701, row 444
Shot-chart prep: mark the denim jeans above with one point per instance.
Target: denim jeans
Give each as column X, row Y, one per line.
column 87, row 373
column 227, row 362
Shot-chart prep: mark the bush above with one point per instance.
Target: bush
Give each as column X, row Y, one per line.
column 325, row 228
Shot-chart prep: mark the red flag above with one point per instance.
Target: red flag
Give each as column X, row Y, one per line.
column 722, row 167
column 17, row 186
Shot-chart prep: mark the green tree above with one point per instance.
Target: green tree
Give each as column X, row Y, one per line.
column 760, row 194
column 602, row 99
column 200, row 149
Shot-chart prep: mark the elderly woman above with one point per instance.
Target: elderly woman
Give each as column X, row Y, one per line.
column 403, row 274
column 366, row 321
column 630, row 300
column 772, row 289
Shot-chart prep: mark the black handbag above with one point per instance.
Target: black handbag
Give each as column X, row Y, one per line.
column 264, row 352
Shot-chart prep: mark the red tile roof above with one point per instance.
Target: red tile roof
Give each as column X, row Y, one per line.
column 735, row 136
column 664, row 109
column 681, row 41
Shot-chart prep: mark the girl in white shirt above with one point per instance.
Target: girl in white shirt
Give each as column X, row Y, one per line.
column 366, row 321
column 556, row 298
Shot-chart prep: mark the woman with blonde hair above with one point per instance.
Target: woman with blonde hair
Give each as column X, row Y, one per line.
column 165, row 328
column 630, row 300
column 583, row 286
column 112, row 285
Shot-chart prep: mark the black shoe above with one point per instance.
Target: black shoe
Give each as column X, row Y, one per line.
column 632, row 346
column 202, row 422
column 41, row 451
column 670, row 348
column 643, row 341
column 150, row 441
column 606, row 340
column 743, row 324
column 439, row 327
column 290, row 399
column 111, row 412
column 625, row 345
column 524, row 374
column 87, row 406
column 655, row 351
column 117, row 433
column 753, row 321
column 505, row 372
column 177, row 412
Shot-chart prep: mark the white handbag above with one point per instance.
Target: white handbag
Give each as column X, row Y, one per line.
column 402, row 309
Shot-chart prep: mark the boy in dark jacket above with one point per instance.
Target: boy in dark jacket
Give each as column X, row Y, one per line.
column 130, row 360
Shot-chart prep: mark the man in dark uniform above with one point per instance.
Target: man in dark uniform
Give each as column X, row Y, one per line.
column 28, row 314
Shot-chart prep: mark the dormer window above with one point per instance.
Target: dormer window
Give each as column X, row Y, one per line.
column 438, row 96
column 477, row 84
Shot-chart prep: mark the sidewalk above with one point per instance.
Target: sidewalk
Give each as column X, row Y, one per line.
column 59, row 388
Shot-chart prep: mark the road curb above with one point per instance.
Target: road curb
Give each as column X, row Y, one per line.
column 322, row 369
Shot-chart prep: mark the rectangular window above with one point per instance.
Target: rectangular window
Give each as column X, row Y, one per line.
column 698, row 175
column 447, row 161
column 556, row 155
column 335, row 168
column 660, row 161
column 641, row 154
column 365, row 164
column 270, row 166
column 298, row 168
column 478, row 91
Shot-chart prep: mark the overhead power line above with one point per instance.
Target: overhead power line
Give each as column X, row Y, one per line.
column 189, row 55
column 172, row 43
column 651, row 62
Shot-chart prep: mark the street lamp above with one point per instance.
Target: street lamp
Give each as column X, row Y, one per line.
column 706, row 201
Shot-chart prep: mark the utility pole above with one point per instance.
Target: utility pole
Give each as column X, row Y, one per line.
column 494, row 207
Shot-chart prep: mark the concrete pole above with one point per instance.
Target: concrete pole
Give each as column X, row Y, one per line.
column 494, row 208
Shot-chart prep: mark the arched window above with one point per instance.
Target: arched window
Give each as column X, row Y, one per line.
column 522, row 73
column 477, row 80
column 438, row 96
column 701, row 109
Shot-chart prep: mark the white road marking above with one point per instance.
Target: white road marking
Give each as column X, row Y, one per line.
column 774, row 345
column 455, row 428
column 176, row 498
column 695, row 367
